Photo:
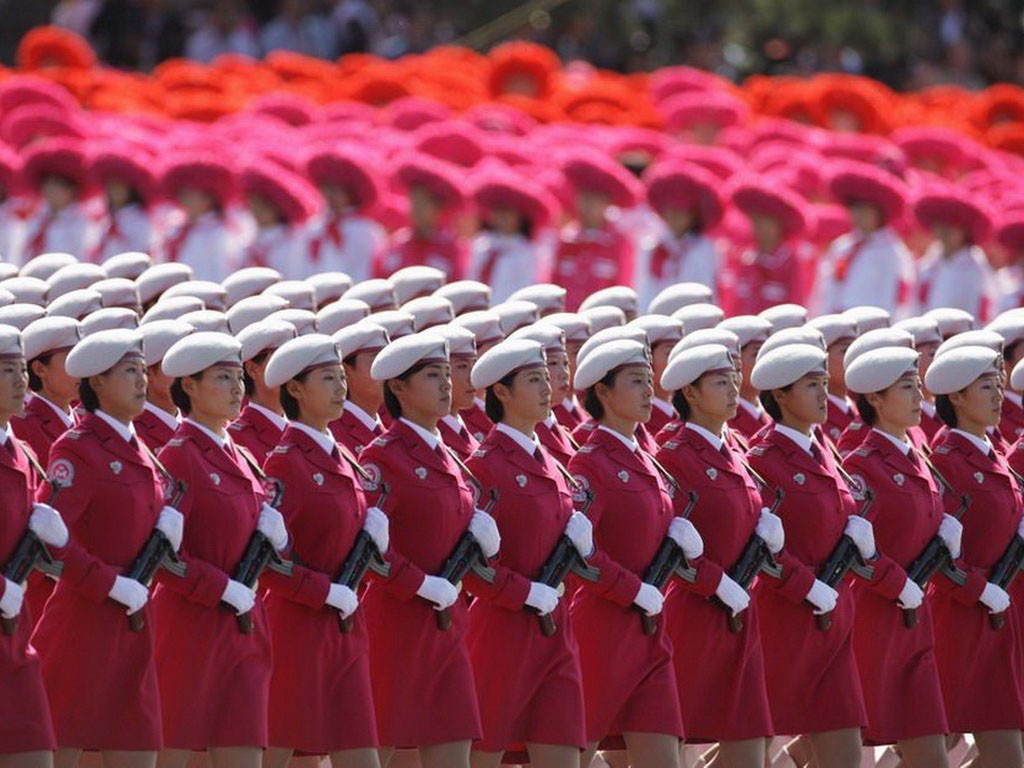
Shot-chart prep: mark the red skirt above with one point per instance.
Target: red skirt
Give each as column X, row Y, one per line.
column 25, row 724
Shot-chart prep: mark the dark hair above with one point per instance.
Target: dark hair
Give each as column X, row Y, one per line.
column 390, row 400
column 250, row 383
column 590, row 401
column 1008, row 351
column 289, row 404
column 680, row 404
column 525, row 225
column 946, row 411
column 769, row 403
column 87, row 396
column 867, row 412
column 34, row 382
column 492, row 405
column 178, row 396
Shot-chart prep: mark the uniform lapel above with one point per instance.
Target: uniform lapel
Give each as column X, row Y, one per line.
column 519, row 457
column 312, row 450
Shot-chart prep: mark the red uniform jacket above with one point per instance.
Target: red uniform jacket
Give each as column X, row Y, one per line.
column 838, row 421
column 584, row 431
column 752, row 282
column 462, row 442
column 477, row 422
column 353, row 433
column 39, row 426
column 1012, row 425
column 659, row 419
column 154, row 431
column 588, row 260
column 255, row 432
column 570, row 418
column 931, row 425
column 747, row 424
column 857, row 432
column 442, row 250
column 557, row 441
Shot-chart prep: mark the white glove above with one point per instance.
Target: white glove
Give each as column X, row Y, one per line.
column 271, row 525
column 129, row 593
column 485, row 531
column 441, row 592
column 46, row 523
column 951, row 531
column 378, row 527
column 995, row 598
column 911, row 596
column 542, row 597
column 344, row 599
column 171, row 524
column 822, row 597
column 732, row 594
column 239, row 597
column 580, row 531
column 769, row 528
column 863, row 535
column 650, row 599
column 682, row 532
column 14, row 596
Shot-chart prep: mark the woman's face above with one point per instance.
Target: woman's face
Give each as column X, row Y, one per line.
column 57, row 385
column 558, row 375
column 336, row 197
column 714, row 395
column 122, row 389
column 427, row 394
column 952, row 238
column 981, row 402
column 321, row 395
column 195, row 202
column 679, row 221
column 216, row 393
column 528, row 397
column 265, row 214
column 463, row 393
column 630, row 395
column 361, row 385
column 505, row 221
column 659, row 361
column 424, row 209
column 900, row 404
column 119, row 194
column 806, row 402
column 13, row 383
column 58, row 193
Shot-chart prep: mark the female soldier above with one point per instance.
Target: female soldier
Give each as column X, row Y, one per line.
column 320, row 697
column 541, row 702
column 214, row 678
column 111, row 498
column 422, row 678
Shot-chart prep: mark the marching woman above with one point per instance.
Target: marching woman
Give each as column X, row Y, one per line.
column 978, row 665
column 813, row 685
column 26, row 731
column 462, row 354
column 539, row 700
column 720, row 674
column 111, row 498
column 214, row 679
column 320, row 695
column 129, row 188
column 422, row 677
column 897, row 663
column 628, row 682
column 159, row 421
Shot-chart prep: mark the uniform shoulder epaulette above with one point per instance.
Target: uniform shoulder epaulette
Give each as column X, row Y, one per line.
column 382, row 441
column 176, row 442
column 480, row 453
column 942, row 450
column 759, row 450
column 236, row 426
column 586, row 449
column 282, row 448
column 862, row 452
column 671, row 445
column 856, row 426
column 588, row 427
column 672, row 426
column 75, row 434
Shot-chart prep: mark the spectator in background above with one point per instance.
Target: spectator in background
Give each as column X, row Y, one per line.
column 296, row 28
column 75, row 15
column 355, row 23
column 137, row 34
column 226, row 29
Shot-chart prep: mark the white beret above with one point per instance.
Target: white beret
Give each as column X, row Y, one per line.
column 378, row 293
column 697, row 316
column 74, row 277
column 466, row 295
column 606, row 358
column 748, row 328
column 690, row 364
column 787, row 364
column 784, row 316
column 660, row 329
column 867, row 318
column 461, row 341
column 118, row 292
column 396, row 322
column 50, row 334
column 341, row 313
column 951, row 320
column 504, row 358
column 263, row 336
column 402, row 354
column 618, row 333
column 548, row 297
column 128, row 265
column 294, row 357
column 302, row 320
column 1017, row 376
column 199, row 351
column 514, row 315
column 158, row 278
column 172, row 308
column 45, row 264
column 207, row 320
column 959, row 368
column 10, row 343
column 975, row 338
column 328, row 286
column 1009, row 325
column 6, row 298
column 834, row 327
column 879, row 369
column 109, row 319
column 678, row 296
column 418, row 280
column 249, row 310
column 102, row 351
column 364, row 336
column 484, row 324
column 793, row 335
column 213, row 294
column 428, row 311
column 603, row 317
column 27, row 290
column 576, row 326
column 249, row 281
column 548, row 335
column 7, row 270
column 160, row 335
column 621, row 296
column 20, row 315
column 877, row 339
column 75, row 304
column 298, row 293
column 924, row 330
column 717, row 336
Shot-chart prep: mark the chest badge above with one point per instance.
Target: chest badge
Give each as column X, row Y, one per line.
column 116, row 467
column 711, row 472
column 215, row 478
column 799, row 478
column 899, row 479
column 420, row 472
column 979, row 477
column 624, row 476
column 521, row 481
column 318, row 478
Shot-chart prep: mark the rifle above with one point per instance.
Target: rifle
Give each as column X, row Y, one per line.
column 1008, row 566
column 465, row 557
column 157, row 553
column 364, row 556
column 669, row 561
column 31, row 554
column 845, row 557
